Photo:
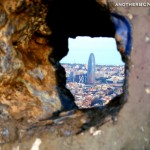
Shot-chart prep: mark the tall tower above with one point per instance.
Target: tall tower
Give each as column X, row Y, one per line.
column 91, row 69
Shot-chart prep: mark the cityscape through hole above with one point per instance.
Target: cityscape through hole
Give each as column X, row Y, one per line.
column 94, row 71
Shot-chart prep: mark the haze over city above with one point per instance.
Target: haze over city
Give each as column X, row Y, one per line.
column 104, row 49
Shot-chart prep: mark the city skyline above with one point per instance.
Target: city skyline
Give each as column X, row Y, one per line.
column 104, row 85
column 104, row 49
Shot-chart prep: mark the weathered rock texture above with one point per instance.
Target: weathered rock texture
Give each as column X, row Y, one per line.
column 28, row 81
column 33, row 39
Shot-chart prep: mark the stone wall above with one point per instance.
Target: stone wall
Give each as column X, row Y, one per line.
column 36, row 111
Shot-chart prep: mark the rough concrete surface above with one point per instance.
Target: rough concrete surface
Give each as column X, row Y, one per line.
column 33, row 38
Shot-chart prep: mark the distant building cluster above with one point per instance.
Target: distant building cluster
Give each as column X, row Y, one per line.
column 94, row 85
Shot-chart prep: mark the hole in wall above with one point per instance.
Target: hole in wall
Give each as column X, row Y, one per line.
column 94, row 71
column 88, row 18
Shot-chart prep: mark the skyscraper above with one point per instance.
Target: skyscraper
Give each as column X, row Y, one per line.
column 91, row 69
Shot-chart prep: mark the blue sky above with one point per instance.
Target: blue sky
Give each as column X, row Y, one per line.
column 104, row 49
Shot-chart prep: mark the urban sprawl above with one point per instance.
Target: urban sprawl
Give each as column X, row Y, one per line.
column 94, row 85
